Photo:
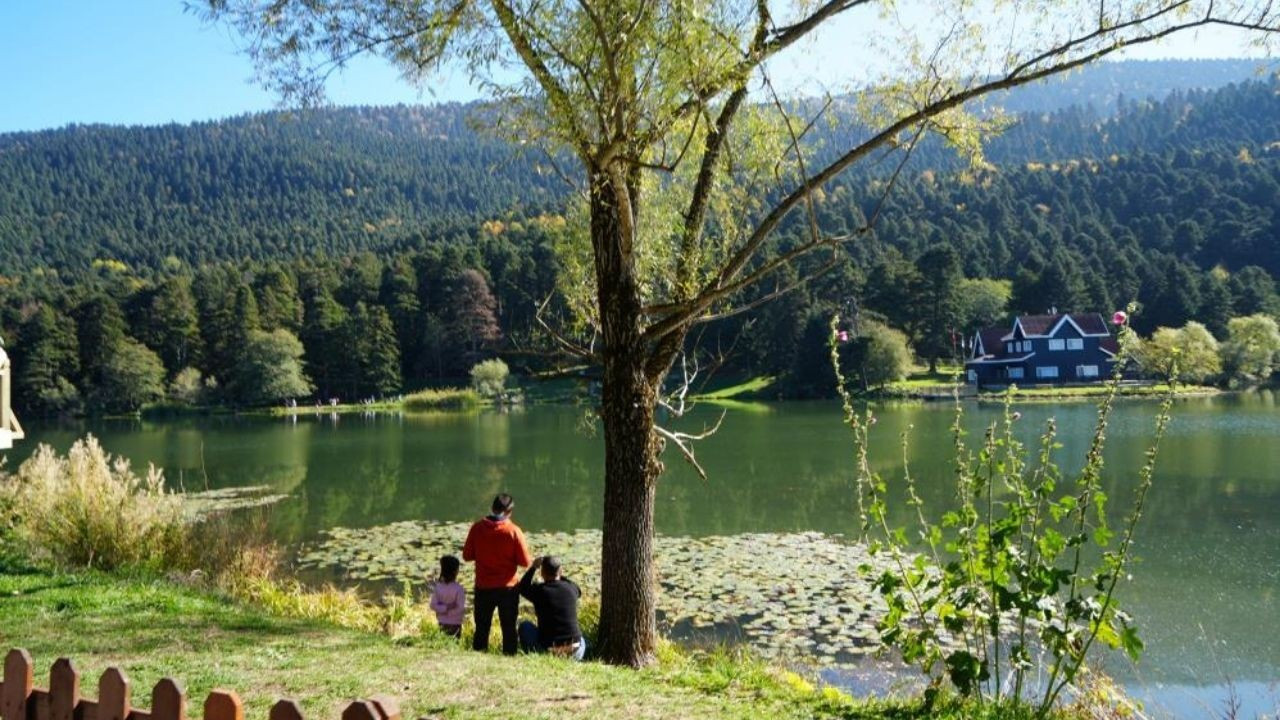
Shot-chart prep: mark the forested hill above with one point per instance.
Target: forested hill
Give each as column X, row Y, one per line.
column 258, row 186
column 337, row 181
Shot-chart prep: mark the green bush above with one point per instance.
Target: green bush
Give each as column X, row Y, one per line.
column 442, row 399
column 1007, row 594
column 89, row 509
column 489, row 377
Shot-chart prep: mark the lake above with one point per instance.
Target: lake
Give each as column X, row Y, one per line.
column 1205, row 593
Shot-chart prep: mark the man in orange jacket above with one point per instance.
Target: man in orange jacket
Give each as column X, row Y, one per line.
column 496, row 545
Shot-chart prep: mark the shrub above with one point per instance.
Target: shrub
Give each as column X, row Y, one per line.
column 442, row 399
column 489, row 377
column 187, row 387
column 1006, row 596
column 89, row 509
column 1252, row 348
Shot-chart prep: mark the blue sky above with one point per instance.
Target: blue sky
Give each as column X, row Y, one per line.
column 149, row 62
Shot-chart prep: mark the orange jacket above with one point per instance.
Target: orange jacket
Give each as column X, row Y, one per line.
column 497, row 548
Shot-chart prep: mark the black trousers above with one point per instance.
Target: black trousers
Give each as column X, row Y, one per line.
column 507, row 602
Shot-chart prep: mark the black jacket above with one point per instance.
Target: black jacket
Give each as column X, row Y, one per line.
column 556, row 604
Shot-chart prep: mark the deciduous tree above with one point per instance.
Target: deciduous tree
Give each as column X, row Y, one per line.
column 688, row 163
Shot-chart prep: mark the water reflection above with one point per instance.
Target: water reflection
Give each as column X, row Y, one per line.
column 1209, row 574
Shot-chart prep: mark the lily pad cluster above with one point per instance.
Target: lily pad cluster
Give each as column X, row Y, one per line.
column 794, row 596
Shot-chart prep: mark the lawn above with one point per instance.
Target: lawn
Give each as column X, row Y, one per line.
column 152, row 628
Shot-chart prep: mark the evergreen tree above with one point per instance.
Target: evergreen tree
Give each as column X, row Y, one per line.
column 938, row 304
column 48, row 363
column 379, row 353
column 473, row 324
column 277, row 300
column 170, row 325
column 100, row 332
column 325, row 333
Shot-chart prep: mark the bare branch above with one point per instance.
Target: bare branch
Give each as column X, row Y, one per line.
column 683, row 442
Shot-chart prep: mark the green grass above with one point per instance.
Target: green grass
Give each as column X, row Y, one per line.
column 743, row 390
column 153, row 628
column 442, row 399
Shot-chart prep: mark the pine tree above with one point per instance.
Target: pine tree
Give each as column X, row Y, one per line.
column 171, row 325
column 49, row 360
column 379, row 353
column 100, row 331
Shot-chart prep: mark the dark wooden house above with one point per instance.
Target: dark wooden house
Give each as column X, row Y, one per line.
column 1058, row 349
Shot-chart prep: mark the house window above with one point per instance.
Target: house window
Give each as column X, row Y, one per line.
column 973, row 376
column 1015, row 373
column 1075, row 343
column 1008, row 347
column 1087, row 371
column 1026, row 346
column 1057, row 344
column 1047, row 371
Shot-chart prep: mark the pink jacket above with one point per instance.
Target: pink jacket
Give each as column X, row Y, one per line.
column 449, row 601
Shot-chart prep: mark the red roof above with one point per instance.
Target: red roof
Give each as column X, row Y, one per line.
column 992, row 339
column 1089, row 323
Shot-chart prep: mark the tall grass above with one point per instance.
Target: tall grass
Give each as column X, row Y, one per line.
column 89, row 509
column 442, row 399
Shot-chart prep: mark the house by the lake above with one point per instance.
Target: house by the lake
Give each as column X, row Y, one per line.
column 1054, row 349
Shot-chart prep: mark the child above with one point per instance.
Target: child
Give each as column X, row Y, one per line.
column 449, row 600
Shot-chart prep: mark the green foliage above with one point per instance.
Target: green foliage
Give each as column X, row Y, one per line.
column 489, row 377
column 1189, row 352
column 270, row 369
column 132, row 376
column 1018, row 583
column 442, row 399
column 879, row 354
column 89, row 509
column 984, row 302
column 1252, row 349
column 187, row 388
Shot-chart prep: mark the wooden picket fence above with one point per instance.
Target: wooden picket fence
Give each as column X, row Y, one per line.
column 21, row 700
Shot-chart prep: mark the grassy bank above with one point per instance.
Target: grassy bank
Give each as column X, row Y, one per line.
column 153, row 628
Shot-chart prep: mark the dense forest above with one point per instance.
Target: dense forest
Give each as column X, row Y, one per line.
column 359, row 252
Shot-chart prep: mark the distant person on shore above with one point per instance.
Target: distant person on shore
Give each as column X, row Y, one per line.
column 555, row 602
column 448, row 598
column 496, row 545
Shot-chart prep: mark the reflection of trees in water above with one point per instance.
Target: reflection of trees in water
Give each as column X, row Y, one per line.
column 1208, row 545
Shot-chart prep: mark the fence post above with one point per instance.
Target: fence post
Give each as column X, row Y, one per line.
column 168, row 701
column 223, row 705
column 360, row 710
column 113, row 695
column 285, row 709
column 64, row 690
column 387, row 707
column 19, row 678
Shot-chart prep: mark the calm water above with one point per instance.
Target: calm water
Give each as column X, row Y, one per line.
column 1206, row 591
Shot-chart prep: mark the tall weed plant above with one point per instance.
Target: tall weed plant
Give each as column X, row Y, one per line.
column 89, row 509
column 1006, row 596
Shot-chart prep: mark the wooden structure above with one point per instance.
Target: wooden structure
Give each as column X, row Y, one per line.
column 10, row 430
column 21, row 700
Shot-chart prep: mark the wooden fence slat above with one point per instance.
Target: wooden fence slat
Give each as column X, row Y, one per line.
column 387, row 707
column 360, row 710
column 19, row 679
column 64, row 690
column 168, row 701
column 285, row 709
column 223, row 705
column 113, row 695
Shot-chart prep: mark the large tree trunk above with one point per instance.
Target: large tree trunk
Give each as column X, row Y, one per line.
column 628, row 631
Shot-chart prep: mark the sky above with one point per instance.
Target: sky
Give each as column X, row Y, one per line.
column 151, row 62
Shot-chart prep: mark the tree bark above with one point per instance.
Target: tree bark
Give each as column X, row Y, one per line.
column 628, row 628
